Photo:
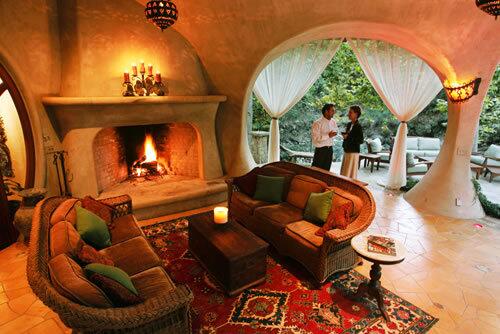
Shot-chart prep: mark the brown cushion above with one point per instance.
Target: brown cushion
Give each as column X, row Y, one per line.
column 274, row 218
column 64, row 239
column 133, row 255
column 276, row 171
column 152, row 282
column 117, row 293
column 300, row 189
column 246, row 203
column 356, row 201
column 125, row 228
column 65, row 211
column 102, row 210
column 70, row 281
column 247, row 182
column 306, row 231
column 88, row 254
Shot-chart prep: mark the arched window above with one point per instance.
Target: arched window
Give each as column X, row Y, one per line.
column 17, row 154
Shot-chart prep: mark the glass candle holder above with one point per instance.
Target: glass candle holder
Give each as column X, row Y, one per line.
column 220, row 215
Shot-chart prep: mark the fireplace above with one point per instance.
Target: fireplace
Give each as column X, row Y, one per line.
column 107, row 138
column 145, row 153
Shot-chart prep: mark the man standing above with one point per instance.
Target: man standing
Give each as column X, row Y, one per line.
column 323, row 131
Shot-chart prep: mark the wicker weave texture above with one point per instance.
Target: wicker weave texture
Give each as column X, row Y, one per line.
column 336, row 253
column 168, row 312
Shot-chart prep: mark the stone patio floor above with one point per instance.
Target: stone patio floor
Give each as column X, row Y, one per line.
column 452, row 270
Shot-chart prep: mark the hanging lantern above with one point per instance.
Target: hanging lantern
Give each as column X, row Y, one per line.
column 162, row 13
column 459, row 92
column 491, row 7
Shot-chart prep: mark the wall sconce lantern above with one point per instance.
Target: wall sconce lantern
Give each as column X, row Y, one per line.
column 491, row 7
column 162, row 13
column 459, row 92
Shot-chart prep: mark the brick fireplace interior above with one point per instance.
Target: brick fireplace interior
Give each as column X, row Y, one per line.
column 131, row 154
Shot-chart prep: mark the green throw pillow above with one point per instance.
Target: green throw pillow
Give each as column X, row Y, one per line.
column 318, row 207
column 92, row 228
column 269, row 188
column 113, row 273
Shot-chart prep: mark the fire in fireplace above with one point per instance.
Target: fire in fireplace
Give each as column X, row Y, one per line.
column 149, row 164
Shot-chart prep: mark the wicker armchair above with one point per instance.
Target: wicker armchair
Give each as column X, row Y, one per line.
column 335, row 253
column 168, row 312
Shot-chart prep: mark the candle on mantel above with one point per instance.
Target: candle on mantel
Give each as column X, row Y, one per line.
column 134, row 68
column 150, row 69
column 143, row 69
column 158, row 77
column 220, row 215
column 126, row 76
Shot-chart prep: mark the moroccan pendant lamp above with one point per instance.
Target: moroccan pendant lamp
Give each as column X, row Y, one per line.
column 491, row 7
column 162, row 13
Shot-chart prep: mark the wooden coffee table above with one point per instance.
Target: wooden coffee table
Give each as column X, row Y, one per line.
column 234, row 256
column 373, row 289
column 369, row 158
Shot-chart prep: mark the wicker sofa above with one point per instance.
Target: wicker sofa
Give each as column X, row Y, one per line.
column 166, row 306
column 284, row 227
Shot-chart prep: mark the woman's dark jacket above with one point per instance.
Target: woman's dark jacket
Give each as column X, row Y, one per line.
column 354, row 138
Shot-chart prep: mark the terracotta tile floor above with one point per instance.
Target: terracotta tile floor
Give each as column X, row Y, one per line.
column 452, row 271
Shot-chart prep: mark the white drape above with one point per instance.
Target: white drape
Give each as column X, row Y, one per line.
column 405, row 83
column 287, row 79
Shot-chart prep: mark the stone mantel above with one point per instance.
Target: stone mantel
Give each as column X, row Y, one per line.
column 77, row 120
column 68, row 113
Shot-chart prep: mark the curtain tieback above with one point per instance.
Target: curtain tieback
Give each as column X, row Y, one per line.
column 275, row 118
column 404, row 122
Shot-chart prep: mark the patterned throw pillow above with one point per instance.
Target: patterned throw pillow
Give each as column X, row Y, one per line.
column 339, row 218
column 119, row 295
column 100, row 209
column 88, row 254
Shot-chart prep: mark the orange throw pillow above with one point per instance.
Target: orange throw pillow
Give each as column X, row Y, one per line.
column 339, row 217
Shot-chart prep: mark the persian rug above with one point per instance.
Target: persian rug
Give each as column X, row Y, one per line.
column 286, row 303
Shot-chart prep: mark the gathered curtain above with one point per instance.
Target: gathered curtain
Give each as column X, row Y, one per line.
column 287, row 79
column 405, row 83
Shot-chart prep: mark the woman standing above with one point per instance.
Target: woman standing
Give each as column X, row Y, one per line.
column 353, row 138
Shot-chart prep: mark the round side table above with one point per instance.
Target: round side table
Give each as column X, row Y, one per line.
column 360, row 245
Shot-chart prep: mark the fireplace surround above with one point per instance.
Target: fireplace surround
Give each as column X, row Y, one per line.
column 95, row 132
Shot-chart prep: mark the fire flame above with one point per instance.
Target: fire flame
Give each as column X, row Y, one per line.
column 150, row 149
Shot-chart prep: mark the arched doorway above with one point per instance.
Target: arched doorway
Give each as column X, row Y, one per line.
column 17, row 155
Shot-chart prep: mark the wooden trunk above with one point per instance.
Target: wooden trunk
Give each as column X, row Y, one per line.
column 231, row 253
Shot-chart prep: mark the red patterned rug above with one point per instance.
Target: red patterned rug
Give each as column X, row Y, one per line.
column 286, row 302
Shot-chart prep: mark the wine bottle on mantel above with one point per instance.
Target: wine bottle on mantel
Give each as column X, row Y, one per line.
column 8, row 233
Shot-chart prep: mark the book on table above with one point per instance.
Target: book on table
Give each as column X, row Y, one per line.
column 381, row 245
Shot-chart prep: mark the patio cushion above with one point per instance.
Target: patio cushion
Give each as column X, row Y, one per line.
column 417, row 169
column 493, row 152
column 385, row 156
column 152, row 282
column 428, row 153
column 125, row 228
column 410, row 159
column 375, row 145
column 300, row 189
column 429, row 144
column 412, row 143
column 65, row 211
column 494, row 163
column 477, row 159
column 69, row 280
column 133, row 256
column 306, row 230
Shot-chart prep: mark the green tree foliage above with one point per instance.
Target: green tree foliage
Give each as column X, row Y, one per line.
column 344, row 83
column 489, row 123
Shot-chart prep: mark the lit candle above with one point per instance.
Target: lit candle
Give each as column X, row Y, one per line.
column 150, row 69
column 134, row 69
column 126, row 76
column 220, row 215
column 158, row 77
column 143, row 69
